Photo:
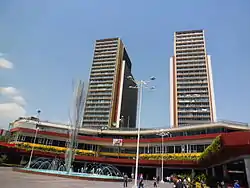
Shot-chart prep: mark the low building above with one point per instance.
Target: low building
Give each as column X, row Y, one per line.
column 183, row 149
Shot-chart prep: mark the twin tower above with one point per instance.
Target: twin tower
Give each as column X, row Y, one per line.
column 111, row 102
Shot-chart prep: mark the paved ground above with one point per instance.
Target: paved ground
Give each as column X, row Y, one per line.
column 10, row 179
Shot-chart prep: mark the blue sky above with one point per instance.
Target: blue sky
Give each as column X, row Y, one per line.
column 51, row 42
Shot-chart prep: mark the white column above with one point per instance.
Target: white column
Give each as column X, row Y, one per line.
column 206, row 171
column 247, row 167
column 158, row 172
column 213, row 172
column 224, row 168
column 171, row 93
column 120, row 95
column 193, row 173
column 212, row 87
column 22, row 160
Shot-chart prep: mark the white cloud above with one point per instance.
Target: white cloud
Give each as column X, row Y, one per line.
column 9, row 91
column 13, row 109
column 5, row 64
column 19, row 100
column 9, row 112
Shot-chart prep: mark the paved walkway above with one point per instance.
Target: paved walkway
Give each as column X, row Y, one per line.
column 10, row 179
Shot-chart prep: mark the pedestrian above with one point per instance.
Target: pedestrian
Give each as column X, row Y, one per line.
column 155, row 181
column 158, row 179
column 125, row 180
column 185, row 183
column 179, row 183
column 236, row 184
column 132, row 175
column 141, row 184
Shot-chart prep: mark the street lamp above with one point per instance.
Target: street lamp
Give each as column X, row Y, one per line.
column 139, row 85
column 34, row 142
column 162, row 133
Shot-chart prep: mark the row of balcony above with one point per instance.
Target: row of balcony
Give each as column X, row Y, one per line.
column 192, row 86
column 191, row 69
column 101, row 59
column 190, row 56
column 103, row 62
column 102, row 56
column 100, row 85
column 107, row 41
column 101, row 74
column 183, row 38
column 98, row 98
column 193, row 100
column 188, row 61
column 191, row 81
column 95, row 120
column 194, row 115
column 108, row 45
column 105, row 49
column 103, row 69
column 188, row 33
column 185, row 48
column 191, row 120
column 95, row 77
column 192, row 90
column 197, row 53
column 96, row 115
column 98, row 108
column 97, row 102
column 103, row 65
column 191, row 64
column 191, row 49
column 192, row 73
column 105, row 52
column 189, row 40
column 182, row 78
column 93, row 111
column 193, row 105
column 94, row 81
column 187, row 110
column 189, row 43
column 181, row 96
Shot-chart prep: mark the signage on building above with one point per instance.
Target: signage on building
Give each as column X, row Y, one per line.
column 117, row 142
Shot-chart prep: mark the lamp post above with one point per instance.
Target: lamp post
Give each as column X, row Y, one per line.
column 37, row 129
column 162, row 133
column 139, row 85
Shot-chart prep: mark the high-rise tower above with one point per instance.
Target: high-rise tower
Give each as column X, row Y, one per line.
column 110, row 102
column 191, row 81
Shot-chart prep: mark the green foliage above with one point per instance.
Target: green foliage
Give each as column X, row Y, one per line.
column 53, row 149
column 212, row 148
column 172, row 156
column 2, row 138
column 3, row 158
column 5, row 138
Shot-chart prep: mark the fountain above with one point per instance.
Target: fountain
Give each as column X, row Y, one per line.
column 58, row 167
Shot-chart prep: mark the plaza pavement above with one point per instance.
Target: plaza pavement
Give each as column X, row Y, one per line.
column 10, row 179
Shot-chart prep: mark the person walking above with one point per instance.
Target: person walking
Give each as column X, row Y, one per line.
column 141, row 184
column 155, row 182
column 236, row 184
column 125, row 180
column 158, row 179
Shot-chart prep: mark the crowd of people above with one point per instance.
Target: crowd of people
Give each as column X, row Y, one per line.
column 178, row 182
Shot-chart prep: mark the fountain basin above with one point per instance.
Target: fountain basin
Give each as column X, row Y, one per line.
column 72, row 175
